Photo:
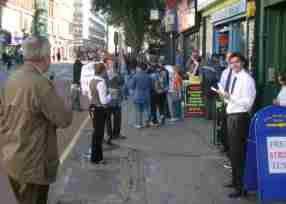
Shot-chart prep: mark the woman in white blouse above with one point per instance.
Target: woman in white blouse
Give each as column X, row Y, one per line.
column 281, row 98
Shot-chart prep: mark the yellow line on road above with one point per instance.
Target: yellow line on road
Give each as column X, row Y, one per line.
column 68, row 150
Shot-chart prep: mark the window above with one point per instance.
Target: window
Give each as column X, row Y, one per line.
column 51, row 8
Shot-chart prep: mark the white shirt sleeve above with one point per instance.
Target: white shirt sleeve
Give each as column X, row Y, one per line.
column 223, row 78
column 246, row 97
column 282, row 97
column 102, row 91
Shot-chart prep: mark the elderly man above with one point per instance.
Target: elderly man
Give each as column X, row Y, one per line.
column 30, row 113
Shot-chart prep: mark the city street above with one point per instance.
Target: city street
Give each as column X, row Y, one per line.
column 175, row 164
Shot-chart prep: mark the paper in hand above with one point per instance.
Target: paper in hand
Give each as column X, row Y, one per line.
column 214, row 89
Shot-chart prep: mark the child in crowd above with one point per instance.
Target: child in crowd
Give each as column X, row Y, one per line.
column 281, row 98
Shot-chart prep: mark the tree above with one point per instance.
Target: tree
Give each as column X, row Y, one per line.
column 133, row 16
column 37, row 22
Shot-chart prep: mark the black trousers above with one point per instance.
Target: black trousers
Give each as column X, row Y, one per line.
column 222, row 117
column 157, row 103
column 237, row 125
column 210, row 107
column 113, row 122
column 99, row 118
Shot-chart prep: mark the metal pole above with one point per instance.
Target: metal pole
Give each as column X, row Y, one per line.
column 171, row 49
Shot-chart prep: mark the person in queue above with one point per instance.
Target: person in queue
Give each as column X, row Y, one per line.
column 29, row 120
column 99, row 108
column 240, row 100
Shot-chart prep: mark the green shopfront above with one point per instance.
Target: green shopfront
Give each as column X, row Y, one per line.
column 271, row 49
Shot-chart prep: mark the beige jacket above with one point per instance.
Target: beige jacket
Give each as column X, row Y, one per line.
column 30, row 113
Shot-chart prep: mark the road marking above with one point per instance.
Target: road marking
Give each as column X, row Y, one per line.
column 71, row 145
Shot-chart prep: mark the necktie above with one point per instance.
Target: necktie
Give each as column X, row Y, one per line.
column 233, row 84
column 226, row 89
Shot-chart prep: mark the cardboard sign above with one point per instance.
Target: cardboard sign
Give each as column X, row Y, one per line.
column 269, row 128
column 6, row 193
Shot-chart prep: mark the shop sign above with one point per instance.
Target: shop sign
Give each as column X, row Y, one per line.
column 230, row 11
column 251, row 8
column 154, row 14
column 204, row 3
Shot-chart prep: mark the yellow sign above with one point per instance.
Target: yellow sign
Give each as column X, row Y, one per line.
column 251, row 8
column 280, row 125
column 195, row 79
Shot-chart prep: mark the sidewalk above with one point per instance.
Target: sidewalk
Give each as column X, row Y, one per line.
column 170, row 165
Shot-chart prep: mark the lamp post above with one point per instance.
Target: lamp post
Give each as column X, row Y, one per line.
column 169, row 26
column 116, row 49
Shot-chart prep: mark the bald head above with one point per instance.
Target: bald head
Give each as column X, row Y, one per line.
column 36, row 48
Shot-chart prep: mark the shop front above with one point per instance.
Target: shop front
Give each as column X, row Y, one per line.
column 188, row 28
column 230, row 29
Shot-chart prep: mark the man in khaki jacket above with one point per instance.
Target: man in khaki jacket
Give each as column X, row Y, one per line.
column 30, row 113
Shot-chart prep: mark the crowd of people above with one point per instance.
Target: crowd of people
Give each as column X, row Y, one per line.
column 29, row 118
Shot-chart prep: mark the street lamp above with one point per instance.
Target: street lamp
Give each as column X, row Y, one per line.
column 116, row 49
column 169, row 27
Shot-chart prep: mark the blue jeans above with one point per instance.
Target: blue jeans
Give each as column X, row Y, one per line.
column 141, row 113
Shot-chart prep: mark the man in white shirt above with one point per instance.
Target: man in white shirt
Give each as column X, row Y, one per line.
column 240, row 100
column 87, row 74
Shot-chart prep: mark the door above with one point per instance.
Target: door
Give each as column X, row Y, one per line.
column 275, row 50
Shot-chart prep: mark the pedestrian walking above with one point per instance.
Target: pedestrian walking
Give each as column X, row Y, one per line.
column 98, row 110
column 240, row 100
column 31, row 112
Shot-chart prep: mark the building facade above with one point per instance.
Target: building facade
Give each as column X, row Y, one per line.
column 60, row 29
column 90, row 30
column 57, row 19
column 271, row 46
column 227, row 27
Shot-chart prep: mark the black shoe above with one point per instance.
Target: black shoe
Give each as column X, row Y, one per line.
column 237, row 194
column 120, row 137
column 101, row 162
column 109, row 143
column 228, row 185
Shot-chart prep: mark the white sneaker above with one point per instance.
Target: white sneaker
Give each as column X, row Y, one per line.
column 227, row 166
column 173, row 119
column 138, row 126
